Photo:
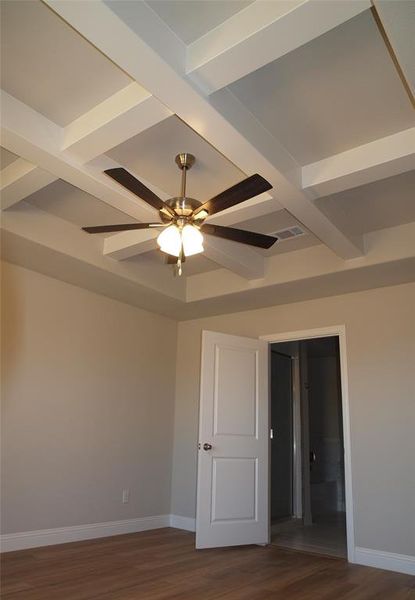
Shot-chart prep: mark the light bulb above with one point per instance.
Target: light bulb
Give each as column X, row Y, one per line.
column 192, row 240
column 170, row 240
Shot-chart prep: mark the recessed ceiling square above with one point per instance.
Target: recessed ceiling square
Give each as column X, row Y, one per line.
column 385, row 203
column 190, row 19
column 63, row 200
column 339, row 91
column 50, row 67
column 150, row 156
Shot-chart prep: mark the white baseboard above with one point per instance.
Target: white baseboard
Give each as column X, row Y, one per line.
column 182, row 522
column 402, row 563
column 62, row 535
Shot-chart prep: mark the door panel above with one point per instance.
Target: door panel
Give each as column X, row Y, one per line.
column 234, row 476
column 236, row 398
column 232, row 498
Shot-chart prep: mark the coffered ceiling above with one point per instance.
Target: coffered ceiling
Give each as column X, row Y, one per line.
column 6, row 158
column 303, row 92
column 191, row 19
column 50, row 67
column 339, row 91
column 150, row 155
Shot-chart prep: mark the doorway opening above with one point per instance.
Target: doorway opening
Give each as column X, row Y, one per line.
column 308, row 508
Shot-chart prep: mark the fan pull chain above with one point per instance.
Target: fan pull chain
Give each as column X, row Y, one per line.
column 178, row 267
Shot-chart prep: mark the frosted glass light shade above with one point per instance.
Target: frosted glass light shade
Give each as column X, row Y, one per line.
column 170, row 240
column 192, row 240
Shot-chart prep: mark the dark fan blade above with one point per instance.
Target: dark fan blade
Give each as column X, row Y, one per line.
column 135, row 186
column 248, row 188
column 125, row 227
column 239, row 235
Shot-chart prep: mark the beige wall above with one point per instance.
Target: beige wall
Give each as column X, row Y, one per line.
column 88, row 406
column 88, row 401
column 380, row 330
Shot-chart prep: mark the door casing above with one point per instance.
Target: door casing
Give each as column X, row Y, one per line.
column 340, row 332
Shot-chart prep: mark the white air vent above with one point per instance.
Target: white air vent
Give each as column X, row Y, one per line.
column 291, row 232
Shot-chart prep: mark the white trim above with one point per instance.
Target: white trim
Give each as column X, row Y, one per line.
column 375, row 160
column 76, row 533
column 186, row 523
column 258, row 35
column 340, row 331
column 402, row 563
column 45, row 537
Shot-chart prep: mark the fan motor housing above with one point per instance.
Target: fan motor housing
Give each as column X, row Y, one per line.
column 183, row 207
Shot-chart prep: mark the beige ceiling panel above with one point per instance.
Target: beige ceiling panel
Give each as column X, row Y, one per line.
column 67, row 202
column 150, row 155
column 339, row 91
column 385, row 203
column 50, row 67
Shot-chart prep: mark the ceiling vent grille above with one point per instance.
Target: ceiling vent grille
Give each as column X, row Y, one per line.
column 287, row 234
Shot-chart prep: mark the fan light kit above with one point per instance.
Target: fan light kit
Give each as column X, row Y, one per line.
column 183, row 218
column 175, row 240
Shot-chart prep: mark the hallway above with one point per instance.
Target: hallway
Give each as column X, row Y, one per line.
column 326, row 536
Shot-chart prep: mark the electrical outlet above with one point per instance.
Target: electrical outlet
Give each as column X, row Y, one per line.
column 125, row 496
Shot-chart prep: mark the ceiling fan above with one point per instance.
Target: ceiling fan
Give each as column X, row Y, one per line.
column 183, row 218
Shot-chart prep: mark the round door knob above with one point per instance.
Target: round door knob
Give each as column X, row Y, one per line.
column 207, row 446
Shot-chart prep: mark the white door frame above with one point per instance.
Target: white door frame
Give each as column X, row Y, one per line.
column 340, row 332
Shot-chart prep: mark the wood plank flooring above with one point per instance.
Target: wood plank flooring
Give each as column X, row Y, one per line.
column 163, row 564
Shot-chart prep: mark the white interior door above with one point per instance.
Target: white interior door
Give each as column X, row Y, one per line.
column 232, row 493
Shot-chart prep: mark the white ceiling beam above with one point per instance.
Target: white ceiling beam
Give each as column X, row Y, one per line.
column 123, row 115
column 20, row 179
column 130, row 243
column 97, row 22
column 263, row 204
column 238, row 258
column 307, row 265
column 58, row 236
column 382, row 158
column 38, row 140
column 260, row 34
column 118, row 118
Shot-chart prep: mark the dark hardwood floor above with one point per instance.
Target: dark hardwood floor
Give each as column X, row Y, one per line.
column 163, row 563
